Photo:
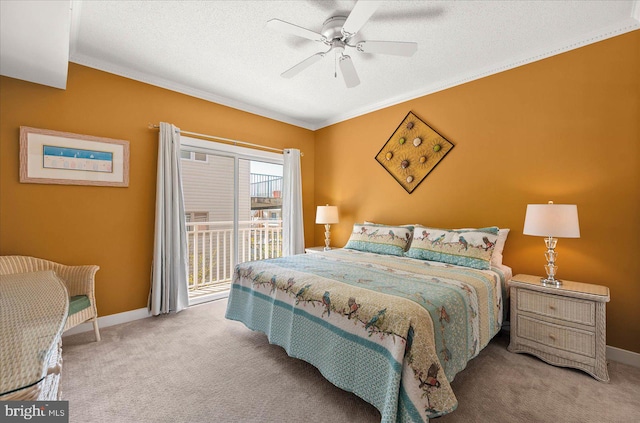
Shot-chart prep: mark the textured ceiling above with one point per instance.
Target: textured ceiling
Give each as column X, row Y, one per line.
column 222, row 51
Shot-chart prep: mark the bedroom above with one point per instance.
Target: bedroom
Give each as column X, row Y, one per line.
column 564, row 128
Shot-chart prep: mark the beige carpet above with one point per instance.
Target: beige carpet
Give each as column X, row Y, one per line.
column 198, row 367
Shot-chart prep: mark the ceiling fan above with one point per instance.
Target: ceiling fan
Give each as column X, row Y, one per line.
column 338, row 33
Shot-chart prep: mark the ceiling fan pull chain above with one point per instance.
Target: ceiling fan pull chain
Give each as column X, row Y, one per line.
column 335, row 64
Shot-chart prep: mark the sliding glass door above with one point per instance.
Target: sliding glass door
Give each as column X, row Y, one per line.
column 233, row 212
column 260, row 233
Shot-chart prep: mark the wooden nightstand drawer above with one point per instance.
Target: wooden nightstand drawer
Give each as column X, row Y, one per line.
column 561, row 337
column 558, row 307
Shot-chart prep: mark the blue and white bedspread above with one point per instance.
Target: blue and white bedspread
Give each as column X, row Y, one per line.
column 392, row 330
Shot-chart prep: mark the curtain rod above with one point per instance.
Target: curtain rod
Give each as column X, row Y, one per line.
column 235, row 142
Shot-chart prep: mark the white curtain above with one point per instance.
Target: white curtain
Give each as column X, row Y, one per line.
column 292, row 223
column 169, row 290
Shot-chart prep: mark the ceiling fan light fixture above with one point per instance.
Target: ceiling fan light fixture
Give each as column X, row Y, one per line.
column 338, row 46
column 336, row 33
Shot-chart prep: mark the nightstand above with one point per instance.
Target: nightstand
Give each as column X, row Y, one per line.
column 564, row 326
column 314, row 250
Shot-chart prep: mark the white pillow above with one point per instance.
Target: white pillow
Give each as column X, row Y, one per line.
column 496, row 258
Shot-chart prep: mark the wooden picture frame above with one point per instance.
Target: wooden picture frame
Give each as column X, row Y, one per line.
column 53, row 157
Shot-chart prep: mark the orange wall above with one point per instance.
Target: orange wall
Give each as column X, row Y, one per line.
column 113, row 227
column 564, row 129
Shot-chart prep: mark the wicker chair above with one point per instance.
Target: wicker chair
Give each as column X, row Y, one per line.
column 80, row 282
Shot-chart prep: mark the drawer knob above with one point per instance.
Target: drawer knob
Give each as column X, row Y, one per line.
column 552, row 307
column 553, row 338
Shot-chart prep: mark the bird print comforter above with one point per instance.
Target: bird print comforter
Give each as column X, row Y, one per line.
column 393, row 330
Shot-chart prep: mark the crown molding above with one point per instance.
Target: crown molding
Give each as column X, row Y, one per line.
column 91, row 62
column 530, row 57
column 630, row 24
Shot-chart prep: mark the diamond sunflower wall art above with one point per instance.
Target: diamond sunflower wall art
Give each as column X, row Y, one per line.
column 412, row 152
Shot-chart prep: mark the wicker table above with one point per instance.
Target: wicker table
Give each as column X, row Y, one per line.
column 33, row 311
column 564, row 326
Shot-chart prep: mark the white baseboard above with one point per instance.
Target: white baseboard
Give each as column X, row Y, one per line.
column 110, row 320
column 130, row 316
column 629, row 358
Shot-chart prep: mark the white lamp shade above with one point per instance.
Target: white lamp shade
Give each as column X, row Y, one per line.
column 327, row 214
column 555, row 220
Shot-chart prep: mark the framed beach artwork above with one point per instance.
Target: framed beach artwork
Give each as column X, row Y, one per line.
column 53, row 157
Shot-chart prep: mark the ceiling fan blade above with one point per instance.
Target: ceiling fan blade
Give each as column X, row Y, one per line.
column 349, row 72
column 289, row 28
column 396, row 48
column 290, row 73
column 360, row 14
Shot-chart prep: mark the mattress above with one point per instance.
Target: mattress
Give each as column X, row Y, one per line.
column 393, row 330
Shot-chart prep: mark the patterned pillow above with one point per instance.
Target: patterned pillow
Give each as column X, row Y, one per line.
column 463, row 247
column 367, row 222
column 496, row 257
column 381, row 239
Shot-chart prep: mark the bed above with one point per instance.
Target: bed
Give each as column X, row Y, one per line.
column 391, row 328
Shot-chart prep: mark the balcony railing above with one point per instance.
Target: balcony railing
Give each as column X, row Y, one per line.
column 211, row 250
column 265, row 186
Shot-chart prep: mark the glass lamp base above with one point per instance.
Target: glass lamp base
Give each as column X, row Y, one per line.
column 551, row 267
column 327, row 237
column 551, row 282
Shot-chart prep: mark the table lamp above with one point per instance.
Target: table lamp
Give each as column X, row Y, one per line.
column 552, row 221
column 327, row 215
